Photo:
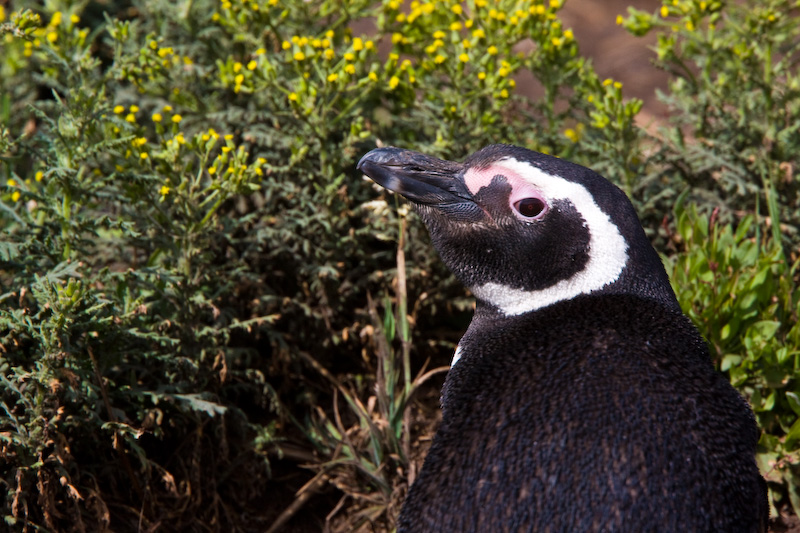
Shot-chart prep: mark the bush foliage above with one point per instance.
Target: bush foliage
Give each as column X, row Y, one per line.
column 197, row 284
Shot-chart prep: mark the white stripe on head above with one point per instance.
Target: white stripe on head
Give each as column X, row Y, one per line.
column 608, row 250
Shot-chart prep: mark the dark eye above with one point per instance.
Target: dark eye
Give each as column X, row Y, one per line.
column 529, row 207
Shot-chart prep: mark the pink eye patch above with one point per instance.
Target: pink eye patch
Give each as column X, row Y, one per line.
column 526, row 201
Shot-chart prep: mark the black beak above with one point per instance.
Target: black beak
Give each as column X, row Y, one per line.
column 420, row 178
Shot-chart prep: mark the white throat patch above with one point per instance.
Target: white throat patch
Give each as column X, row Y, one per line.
column 608, row 250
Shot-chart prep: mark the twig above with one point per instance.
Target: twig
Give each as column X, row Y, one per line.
column 303, row 495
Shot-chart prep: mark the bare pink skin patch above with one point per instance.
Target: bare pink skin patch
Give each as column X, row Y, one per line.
column 475, row 179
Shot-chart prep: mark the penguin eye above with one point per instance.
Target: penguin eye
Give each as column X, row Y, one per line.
column 529, row 207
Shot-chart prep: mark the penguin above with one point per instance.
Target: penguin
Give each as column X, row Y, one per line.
column 580, row 398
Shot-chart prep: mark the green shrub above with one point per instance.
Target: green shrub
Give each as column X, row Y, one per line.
column 730, row 149
column 734, row 98
column 188, row 253
column 188, row 246
column 743, row 295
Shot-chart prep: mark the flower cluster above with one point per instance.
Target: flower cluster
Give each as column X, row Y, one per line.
column 28, row 35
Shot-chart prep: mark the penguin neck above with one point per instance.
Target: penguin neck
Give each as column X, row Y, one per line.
column 658, row 291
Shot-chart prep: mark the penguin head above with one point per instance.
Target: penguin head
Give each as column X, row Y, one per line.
column 524, row 230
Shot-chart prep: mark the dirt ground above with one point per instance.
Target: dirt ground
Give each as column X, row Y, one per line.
column 616, row 53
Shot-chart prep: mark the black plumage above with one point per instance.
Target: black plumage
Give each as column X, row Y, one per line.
column 583, row 399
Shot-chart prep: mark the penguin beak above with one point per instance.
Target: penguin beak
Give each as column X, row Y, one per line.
column 422, row 179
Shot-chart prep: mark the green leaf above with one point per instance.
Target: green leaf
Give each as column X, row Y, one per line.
column 794, row 402
column 196, row 403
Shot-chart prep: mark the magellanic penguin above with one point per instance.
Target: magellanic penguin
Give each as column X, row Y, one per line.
column 580, row 398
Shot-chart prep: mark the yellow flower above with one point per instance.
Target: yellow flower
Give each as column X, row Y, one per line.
column 180, row 138
column 333, row 77
column 492, row 50
column 439, row 59
column 11, row 183
column 349, row 57
column 571, row 134
column 556, row 41
column 15, row 196
column 212, row 170
column 118, row 109
column 504, row 93
column 555, row 4
column 455, row 26
column 143, row 155
column 350, row 69
column 328, row 54
column 397, row 37
column 568, row 35
column 358, row 44
column 286, row 45
column 164, row 190
column 2, row 13
column 664, row 11
column 130, row 117
column 372, row 76
column 176, row 118
column 292, row 97
column 438, row 34
column 260, row 52
column 156, row 117
column 481, row 76
column 464, row 58
column 299, row 56
column 74, row 19
column 502, row 72
column 393, row 81
column 167, row 108
column 38, row 176
column 56, row 20
column 456, row 8
column 369, row 45
column 607, row 82
column 252, row 65
column 226, row 149
column 479, row 33
column 620, row 20
column 690, row 25
column 618, row 85
column 134, row 109
column 468, row 23
column 52, row 36
column 329, row 34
